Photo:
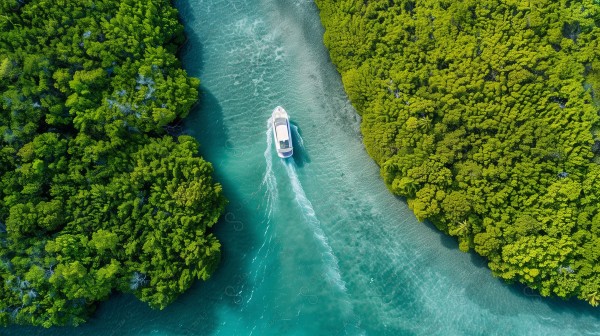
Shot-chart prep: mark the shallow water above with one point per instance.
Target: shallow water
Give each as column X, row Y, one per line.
column 315, row 245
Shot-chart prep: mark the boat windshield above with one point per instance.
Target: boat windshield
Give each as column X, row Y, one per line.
column 284, row 144
column 280, row 122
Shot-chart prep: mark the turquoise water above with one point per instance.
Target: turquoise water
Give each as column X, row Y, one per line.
column 315, row 245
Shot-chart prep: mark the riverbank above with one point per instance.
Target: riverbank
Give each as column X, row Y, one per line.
column 481, row 115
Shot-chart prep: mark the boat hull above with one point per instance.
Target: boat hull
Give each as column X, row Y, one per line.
column 282, row 133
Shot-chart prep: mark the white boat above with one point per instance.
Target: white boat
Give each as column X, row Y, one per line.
column 282, row 133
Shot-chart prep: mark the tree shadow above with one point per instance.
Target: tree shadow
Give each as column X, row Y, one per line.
column 205, row 123
column 205, row 120
column 190, row 53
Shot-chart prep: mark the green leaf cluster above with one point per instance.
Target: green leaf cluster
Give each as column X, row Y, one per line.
column 484, row 115
column 98, row 192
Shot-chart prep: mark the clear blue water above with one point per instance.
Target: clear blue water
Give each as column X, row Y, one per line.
column 316, row 245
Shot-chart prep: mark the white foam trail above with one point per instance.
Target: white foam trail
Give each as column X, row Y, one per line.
column 269, row 180
column 332, row 271
column 270, row 196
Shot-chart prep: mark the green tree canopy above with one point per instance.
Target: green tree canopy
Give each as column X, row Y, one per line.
column 96, row 195
column 484, row 115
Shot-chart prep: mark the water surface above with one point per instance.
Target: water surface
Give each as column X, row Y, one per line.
column 315, row 245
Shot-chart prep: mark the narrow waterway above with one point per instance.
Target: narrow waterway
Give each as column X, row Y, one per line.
column 315, row 245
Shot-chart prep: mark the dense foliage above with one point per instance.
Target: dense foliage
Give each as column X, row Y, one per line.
column 484, row 115
column 96, row 192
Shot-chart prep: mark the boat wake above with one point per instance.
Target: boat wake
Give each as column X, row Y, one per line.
column 332, row 271
column 269, row 185
column 269, row 181
column 269, row 200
